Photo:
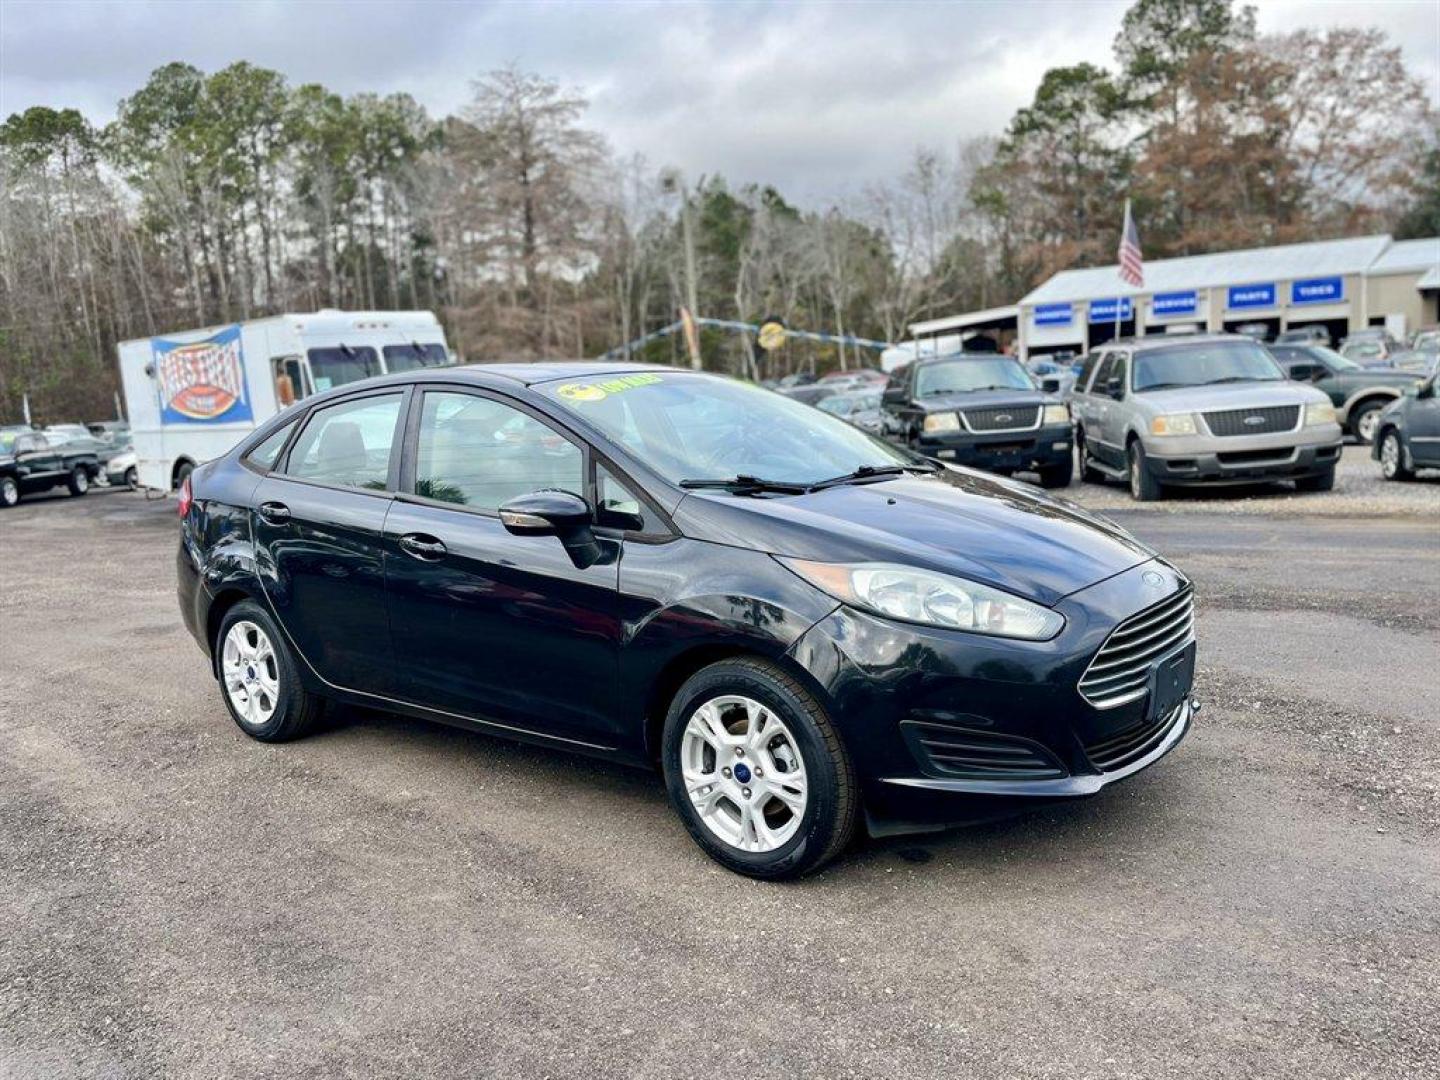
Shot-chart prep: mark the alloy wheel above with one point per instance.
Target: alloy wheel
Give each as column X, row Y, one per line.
column 1365, row 428
column 1390, row 455
column 744, row 774
column 82, row 480
column 251, row 673
column 1134, row 475
column 9, row 492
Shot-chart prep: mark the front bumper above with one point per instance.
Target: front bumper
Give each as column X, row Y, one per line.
column 1244, row 466
column 1044, row 447
column 894, row 690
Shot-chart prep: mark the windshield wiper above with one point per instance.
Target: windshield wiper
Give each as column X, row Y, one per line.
column 1242, row 378
column 746, row 485
column 865, row 472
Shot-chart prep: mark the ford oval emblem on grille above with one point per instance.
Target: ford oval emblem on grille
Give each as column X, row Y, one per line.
column 1254, row 421
column 1151, row 578
column 1004, row 418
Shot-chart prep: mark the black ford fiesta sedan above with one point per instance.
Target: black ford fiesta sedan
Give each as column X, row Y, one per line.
column 801, row 624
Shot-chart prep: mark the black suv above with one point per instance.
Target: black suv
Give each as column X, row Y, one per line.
column 1359, row 394
column 982, row 410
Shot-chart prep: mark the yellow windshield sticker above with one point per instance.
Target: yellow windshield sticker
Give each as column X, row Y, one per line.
column 598, row 391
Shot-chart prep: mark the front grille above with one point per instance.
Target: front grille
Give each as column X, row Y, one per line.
column 1017, row 418
column 1264, row 421
column 952, row 750
column 1131, row 744
column 1277, row 456
column 1120, row 672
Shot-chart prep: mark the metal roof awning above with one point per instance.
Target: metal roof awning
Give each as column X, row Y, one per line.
column 1431, row 281
column 998, row 318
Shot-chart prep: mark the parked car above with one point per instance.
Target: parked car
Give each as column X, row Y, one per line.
column 805, row 627
column 1377, row 335
column 860, row 408
column 78, row 439
column 1407, row 436
column 1053, row 376
column 123, row 469
column 32, row 461
column 1256, row 331
column 1314, row 334
column 1359, row 394
column 855, row 378
column 1212, row 409
column 1426, row 339
column 1413, row 360
column 810, row 393
column 982, row 410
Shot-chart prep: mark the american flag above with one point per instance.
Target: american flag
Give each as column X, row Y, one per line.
column 1132, row 265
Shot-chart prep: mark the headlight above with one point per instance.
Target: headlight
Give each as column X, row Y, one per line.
column 1319, row 412
column 941, row 421
column 921, row 596
column 1174, row 424
column 1057, row 414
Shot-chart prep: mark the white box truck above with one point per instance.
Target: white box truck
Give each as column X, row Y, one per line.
column 191, row 396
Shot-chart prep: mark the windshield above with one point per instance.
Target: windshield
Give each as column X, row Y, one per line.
column 1201, row 363
column 338, row 365
column 414, row 356
column 1332, row 359
column 696, row 427
column 965, row 376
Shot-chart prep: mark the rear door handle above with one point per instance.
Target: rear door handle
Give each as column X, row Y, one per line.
column 275, row 513
column 422, row 546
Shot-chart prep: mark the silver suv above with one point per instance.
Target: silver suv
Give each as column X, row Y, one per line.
column 1214, row 409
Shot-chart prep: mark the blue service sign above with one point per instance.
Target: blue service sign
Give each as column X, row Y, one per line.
column 1175, row 303
column 1240, row 297
column 1103, row 311
column 1320, row 290
column 1053, row 314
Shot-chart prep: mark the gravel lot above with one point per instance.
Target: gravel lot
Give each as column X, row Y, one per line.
column 389, row 898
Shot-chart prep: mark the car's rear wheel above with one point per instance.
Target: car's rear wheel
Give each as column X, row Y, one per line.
column 258, row 677
column 1321, row 482
column 1392, row 457
column 757, row 772
column 9, row 492
column 79, row 481
column 1143, row 486
column 132, row 478
column 1088, row 473
column 1365, row 420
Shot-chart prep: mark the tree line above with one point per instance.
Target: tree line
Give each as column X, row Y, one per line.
column 233, row 195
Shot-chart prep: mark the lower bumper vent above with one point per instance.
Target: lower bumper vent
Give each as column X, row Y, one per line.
column 951, row 750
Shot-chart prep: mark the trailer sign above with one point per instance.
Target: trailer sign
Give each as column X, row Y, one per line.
column 202, row 382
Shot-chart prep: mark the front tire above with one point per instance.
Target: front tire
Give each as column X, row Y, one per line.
column 1392, row 457
column 9, row 492
column 1143, row 486
column 1365, row 420
column 78, row 481
column 757, row 772
column 259, row 680
column 1325, row 481
column 1057, row 476
column 132, row 478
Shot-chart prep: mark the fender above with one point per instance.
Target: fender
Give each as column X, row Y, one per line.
column 1343, row 413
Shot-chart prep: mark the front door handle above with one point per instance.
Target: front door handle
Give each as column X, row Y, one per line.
column 422, row 546
column 275, row 513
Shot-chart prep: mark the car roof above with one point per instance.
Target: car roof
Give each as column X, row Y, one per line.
column 529, row 373
column 926, row 360
column 1157, row 341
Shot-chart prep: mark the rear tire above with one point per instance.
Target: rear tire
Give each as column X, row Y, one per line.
column 1365, row 419
column 1057, row 476
column 9, row 492
column 182, row 474
column 1143, row 486
column 1324, row 482
column 1392, row 457
column 259, row 680
column 746, row 698
column 132, row 478
column 78, row 481
column 1088, row 473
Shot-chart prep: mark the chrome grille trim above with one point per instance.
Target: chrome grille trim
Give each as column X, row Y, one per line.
column 1231, row 422
column 982, row 421
column 1120, row 672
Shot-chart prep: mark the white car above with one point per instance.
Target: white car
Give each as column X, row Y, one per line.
column 123, row 469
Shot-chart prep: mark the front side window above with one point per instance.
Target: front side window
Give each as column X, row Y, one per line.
column 968, row 376
column 414, row 356
column 478, row 452
column 691, row 426
column 265, row 455
column 348, row 444
column 1203, row 364
column 337, row 365
column 1109, row 362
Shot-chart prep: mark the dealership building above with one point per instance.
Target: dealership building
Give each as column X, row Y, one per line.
column 1343, row 285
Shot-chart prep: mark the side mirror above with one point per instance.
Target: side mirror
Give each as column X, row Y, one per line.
column 893, row 395
column 1115, row 387
column 554, row 513
column 1050, row 385
column 1426, row 389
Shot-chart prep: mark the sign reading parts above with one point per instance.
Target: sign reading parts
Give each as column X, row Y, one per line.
column 1246, row 297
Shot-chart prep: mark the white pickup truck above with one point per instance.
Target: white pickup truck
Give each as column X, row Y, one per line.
column 190, row 396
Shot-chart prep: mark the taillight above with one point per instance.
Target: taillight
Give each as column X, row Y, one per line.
column 186, row 498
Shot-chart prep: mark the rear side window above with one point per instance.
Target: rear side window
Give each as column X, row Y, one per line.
column 1108, row 368
column 348, row 444
column 1087, row 367
column 479, row 453
column 267, row 453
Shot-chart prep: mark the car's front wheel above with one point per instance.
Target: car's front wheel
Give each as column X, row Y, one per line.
column 258, row 677
column 1143, row 485
column 1324, row 481
column 9, row 492
column 1365, row 420
column 132, row 478
column 1392, row 457
column 757, row 772
column 1057, row 476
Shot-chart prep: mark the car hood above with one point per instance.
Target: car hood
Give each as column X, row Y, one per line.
column 985, row 399
column 958, row 521
column 1382, row 377
column 1253, row 395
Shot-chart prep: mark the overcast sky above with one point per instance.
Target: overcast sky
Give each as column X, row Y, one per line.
column 816, row 98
